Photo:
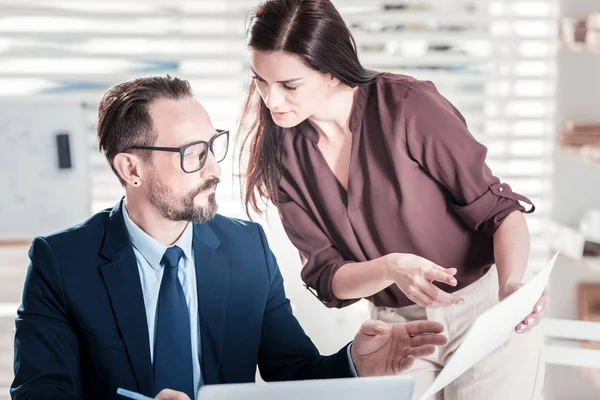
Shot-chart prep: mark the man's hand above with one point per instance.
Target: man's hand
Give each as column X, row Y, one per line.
column 168, row 394
column 538, row 312
column 381, row 348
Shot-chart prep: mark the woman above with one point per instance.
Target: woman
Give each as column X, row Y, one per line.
column 383, row 190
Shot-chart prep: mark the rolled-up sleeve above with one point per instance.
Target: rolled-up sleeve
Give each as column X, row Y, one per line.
column 320, row 259
column 438, row 139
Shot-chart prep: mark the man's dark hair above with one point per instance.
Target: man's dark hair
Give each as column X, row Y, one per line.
column 123, row 115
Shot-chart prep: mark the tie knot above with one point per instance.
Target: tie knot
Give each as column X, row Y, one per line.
column 172, row 257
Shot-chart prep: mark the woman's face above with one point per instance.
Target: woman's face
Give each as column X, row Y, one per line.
column 291, row 90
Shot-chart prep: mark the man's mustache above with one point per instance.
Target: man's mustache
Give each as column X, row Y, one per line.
column 209, row 184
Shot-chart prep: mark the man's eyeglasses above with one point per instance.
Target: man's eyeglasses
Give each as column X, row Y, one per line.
column 194, row 155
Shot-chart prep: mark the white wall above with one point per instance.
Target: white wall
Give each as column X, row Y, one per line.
column 36, row 197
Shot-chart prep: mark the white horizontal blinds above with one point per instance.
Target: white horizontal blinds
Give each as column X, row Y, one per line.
column 445, row 42
column 520, row 114
column 75, row 50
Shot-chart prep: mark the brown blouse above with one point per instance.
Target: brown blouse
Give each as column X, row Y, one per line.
column 418, row 183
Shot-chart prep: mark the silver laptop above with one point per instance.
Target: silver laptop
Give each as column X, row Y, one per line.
column 379, row 388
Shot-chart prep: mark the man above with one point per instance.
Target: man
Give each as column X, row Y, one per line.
column 161, row 292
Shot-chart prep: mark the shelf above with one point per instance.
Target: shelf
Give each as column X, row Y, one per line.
column 584, row 153
column 8, row 310
column 590, row 263
column 579, row 48
column 572, row 357
column 572, row 329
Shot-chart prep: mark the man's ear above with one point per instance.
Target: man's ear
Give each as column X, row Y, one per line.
column 128, row 166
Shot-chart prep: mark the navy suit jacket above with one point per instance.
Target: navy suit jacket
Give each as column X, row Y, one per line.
column 81, row 331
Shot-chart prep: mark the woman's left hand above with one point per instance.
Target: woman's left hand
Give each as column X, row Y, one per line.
column 538, row 312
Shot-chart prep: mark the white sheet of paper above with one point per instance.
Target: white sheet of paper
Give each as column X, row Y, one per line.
column 492, row 329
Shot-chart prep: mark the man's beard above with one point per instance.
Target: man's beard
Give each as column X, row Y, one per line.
column 183, row 208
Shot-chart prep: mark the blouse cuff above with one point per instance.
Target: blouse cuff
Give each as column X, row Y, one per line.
column 487, row 212
column 324, row 290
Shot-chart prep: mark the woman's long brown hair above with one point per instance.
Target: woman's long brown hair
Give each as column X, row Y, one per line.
column 315, row 31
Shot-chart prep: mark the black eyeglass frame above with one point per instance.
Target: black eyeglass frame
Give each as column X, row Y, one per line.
column 181, row 150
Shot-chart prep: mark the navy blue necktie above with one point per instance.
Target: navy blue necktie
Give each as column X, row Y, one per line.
column 172, row 346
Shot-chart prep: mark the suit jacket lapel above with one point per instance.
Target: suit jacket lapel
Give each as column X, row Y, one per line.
column 212, row 275
column 124, row 288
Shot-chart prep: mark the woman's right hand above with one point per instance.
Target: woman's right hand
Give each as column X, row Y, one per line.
column 414, row 276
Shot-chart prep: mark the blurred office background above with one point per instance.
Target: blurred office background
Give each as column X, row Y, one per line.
column 525, row 74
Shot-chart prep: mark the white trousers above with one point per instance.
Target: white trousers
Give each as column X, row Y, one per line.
column 515, row 371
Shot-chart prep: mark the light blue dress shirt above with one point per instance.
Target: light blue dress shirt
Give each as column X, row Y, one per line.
column 149, row 253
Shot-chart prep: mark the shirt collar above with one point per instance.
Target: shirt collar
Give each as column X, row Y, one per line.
column 151, row 249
